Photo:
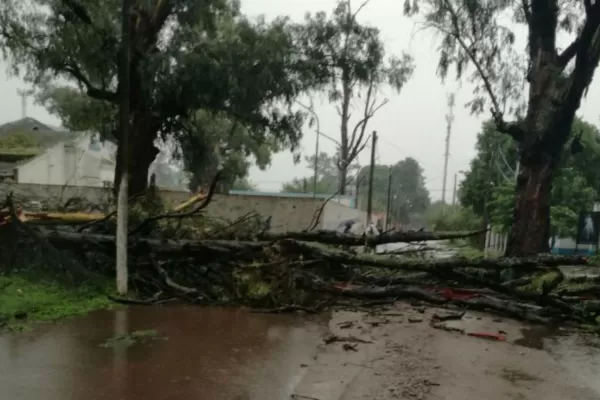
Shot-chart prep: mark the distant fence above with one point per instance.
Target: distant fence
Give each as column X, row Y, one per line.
column 495, row 242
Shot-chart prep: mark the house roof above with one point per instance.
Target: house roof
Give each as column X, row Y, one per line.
column 44, row 136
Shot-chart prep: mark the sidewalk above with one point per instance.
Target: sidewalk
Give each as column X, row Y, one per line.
column 396, row 354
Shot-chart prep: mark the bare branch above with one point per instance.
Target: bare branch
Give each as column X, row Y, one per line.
column 357, row 143
column 363, row 5
column 512, row 129
column 179, row 215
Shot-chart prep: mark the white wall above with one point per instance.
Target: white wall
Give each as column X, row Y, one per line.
column 46, row 168
column 75, row 163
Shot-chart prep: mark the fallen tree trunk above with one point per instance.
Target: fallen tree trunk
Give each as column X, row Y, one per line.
column 344, row 257
column 159, row 246
column 336, row 238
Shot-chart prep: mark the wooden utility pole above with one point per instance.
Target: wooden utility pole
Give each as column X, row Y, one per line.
column 122, row 206
column 389, row 197
column 454, row 191
column 449, row 122
column 371, row 174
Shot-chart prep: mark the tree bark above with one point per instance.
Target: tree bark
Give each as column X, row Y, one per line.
column 142, row 153
column 531, row 219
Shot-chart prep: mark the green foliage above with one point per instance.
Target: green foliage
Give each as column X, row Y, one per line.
column 215, row 142
column 243, row 184
column 26, row 300
column 17, row 141
column 444, row 217
column 327, row 176
column 489, row 184
column 192, row 60
column 356, row 70
column 409, row 196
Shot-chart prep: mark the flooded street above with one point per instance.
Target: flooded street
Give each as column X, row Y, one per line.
column 228, row 354
column 208, row 353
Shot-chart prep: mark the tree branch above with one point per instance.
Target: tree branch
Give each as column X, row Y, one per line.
column 357, row 144
column 179, row 215
column 91, row 90
column 586, row 57
column 512, row 129
column 567, row 55
column 526, row 10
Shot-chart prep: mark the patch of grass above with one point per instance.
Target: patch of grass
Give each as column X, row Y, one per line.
column 132, row 338
column 24, row 301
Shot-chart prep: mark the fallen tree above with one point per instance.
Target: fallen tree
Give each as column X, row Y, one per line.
column 336, row 238
column 305, row 271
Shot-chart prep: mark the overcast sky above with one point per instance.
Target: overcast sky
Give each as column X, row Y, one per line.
column 411, row 124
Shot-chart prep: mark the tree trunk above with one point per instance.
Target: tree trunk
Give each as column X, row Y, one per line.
column 343, row 176
column 531, row 218
column 142, row 153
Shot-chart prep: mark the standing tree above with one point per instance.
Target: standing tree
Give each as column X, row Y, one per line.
column 479, row 36
column 409, row 196
column 489, row 186
column 217, row 142
column 357, row 71
column 327, row 176
column 186, row 55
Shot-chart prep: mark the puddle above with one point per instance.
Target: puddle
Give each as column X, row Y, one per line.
column 207, row 353
column 535, row 337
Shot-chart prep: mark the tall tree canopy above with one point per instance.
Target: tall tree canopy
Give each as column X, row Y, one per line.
column 408, row 194
column 186, row 56
column 328, row 176
column 357, row 71
column 488, row 187
column 479, row 38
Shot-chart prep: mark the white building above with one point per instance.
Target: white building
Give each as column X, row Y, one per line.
column 32, row 152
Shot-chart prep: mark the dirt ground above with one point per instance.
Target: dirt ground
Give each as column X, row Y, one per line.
column 397, row 354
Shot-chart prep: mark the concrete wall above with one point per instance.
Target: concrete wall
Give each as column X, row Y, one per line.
column 287, row 214
column 335, row 213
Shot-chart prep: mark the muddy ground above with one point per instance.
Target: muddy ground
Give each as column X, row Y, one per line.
column 397, row 354
column 234, row 354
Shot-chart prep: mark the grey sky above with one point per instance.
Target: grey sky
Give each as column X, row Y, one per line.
column 411, row 124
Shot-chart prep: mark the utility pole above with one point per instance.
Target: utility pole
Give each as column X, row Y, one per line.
column 316, row 177
column 389, row 197
column 122, row 206
column 449, row 122
column 454, row 191
column 23, row 94
column 371, row 174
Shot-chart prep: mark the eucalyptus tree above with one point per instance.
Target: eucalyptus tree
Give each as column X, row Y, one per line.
column 533, row 93
column 357, row 71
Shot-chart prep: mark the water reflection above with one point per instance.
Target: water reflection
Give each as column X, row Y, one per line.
column 210, row 353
